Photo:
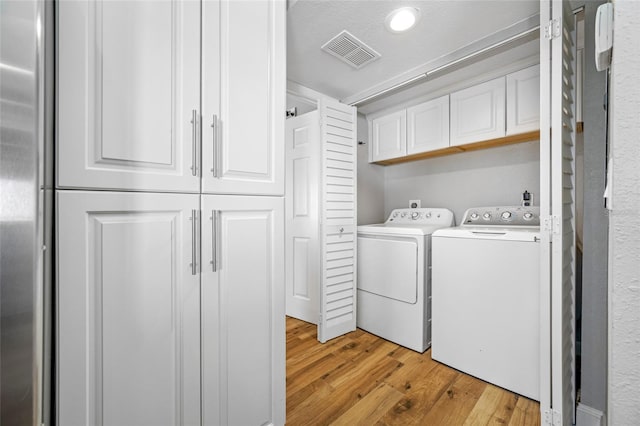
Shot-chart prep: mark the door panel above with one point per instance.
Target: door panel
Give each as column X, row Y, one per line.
column 477, row 113
column 428, row 126
column 338, row 135
column 302, row 244
column 557, row 213
column 388, row 136
column 243, row 310
column 128, row 86
column 243, row 115
column 523, row 100
column 129, row 309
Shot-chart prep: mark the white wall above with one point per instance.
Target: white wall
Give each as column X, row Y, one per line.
column 370, row 181
column 490, row 177
column 624, row 221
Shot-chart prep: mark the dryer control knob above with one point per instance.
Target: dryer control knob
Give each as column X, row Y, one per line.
column 403, row 214
column 506, row 215
column 528, row 216
column 486, row 216
column 415, row 215
column 474, row 216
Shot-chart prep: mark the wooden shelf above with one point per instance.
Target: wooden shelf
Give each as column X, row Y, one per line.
column 491, row 143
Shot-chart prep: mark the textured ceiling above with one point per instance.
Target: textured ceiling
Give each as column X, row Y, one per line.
column 444, row 27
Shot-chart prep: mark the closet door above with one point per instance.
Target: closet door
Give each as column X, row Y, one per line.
column 243, row 315
column 128, row 95
column 557, row 213
column 338, row 218
column 243, row 96
column 128, row 309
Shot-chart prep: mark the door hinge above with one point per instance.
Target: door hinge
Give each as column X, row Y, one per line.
column 551, row 225
column 551, row 418
column 552, row 29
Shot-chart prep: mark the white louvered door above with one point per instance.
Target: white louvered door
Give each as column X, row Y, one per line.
column 557, row 187
column 338, row 219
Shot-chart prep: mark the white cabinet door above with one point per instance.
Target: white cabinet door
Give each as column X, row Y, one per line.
column 243, row 313
column 128, row 88
column 128, row 309
column 388, row 136
column 428, row 126
column 243, row 97
column 477, row 113
column 523, row 101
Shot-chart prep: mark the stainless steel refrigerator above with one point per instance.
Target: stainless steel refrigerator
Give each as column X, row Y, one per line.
column 26, row 76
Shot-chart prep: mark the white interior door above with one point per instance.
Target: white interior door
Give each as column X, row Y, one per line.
column 557, row 167
column 128, row 309
column 128, row 95
column 338, row 134
column 243, row 324
column 302, row 238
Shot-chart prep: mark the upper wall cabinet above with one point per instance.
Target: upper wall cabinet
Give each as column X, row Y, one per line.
column 243, row 97
column 132, row 77
column 477, row 113
column 128, row 95
column 428, row 126
column 523, row 101
column 388, row 136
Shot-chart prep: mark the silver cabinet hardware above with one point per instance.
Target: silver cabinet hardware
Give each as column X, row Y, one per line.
column 214, row 239
column 194, row 246
column 194, row 142
column 214, row 126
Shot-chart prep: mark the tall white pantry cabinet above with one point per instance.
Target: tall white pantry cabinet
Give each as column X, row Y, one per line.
column 170, row 212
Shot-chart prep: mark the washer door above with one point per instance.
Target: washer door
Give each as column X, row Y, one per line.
column 388, row 267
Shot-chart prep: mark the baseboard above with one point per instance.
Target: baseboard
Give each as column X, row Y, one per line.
column 587, row 416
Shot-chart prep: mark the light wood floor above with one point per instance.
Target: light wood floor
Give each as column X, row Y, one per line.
column 360, row 379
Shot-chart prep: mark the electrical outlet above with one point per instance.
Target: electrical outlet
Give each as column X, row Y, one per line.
column 414, row 204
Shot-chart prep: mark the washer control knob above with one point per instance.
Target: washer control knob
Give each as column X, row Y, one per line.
column 403, row 214
column 395, row 214
column 486, row 216
column 415, row 215
column 427, row 215
column 474, row 216
column 506, row 215
column 528, row 216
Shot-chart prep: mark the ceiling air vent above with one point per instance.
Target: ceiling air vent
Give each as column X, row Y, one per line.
column 346, row 47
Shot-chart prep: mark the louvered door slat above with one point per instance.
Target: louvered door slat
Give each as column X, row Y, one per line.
column 338, row 201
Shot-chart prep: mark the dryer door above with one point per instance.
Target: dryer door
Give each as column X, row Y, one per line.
column 388, row 267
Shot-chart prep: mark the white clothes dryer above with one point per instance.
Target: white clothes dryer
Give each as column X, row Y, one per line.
column 486, row 292
column 394, row 287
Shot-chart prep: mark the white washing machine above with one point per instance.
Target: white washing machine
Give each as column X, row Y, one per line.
column 486, row 281
column 394, row 278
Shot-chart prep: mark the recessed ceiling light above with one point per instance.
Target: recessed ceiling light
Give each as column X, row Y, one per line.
column 402, row 19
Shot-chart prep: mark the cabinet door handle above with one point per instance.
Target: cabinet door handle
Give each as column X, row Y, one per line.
column 214, row 240
column 194, row 245
column 194, row 142
column 214, row 127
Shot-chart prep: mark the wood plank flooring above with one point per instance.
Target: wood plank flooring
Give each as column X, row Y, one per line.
column 361, row 379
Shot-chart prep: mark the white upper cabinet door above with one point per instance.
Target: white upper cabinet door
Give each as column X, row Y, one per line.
column 388, row 136
column 428, row 126
column 523, row 101
column 243, row 96
column 128, row 309
column 477, row 113
column 128, row 91
column 243, row 315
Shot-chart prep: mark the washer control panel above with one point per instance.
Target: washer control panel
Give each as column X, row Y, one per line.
column 502, row 216
column 422, row 216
